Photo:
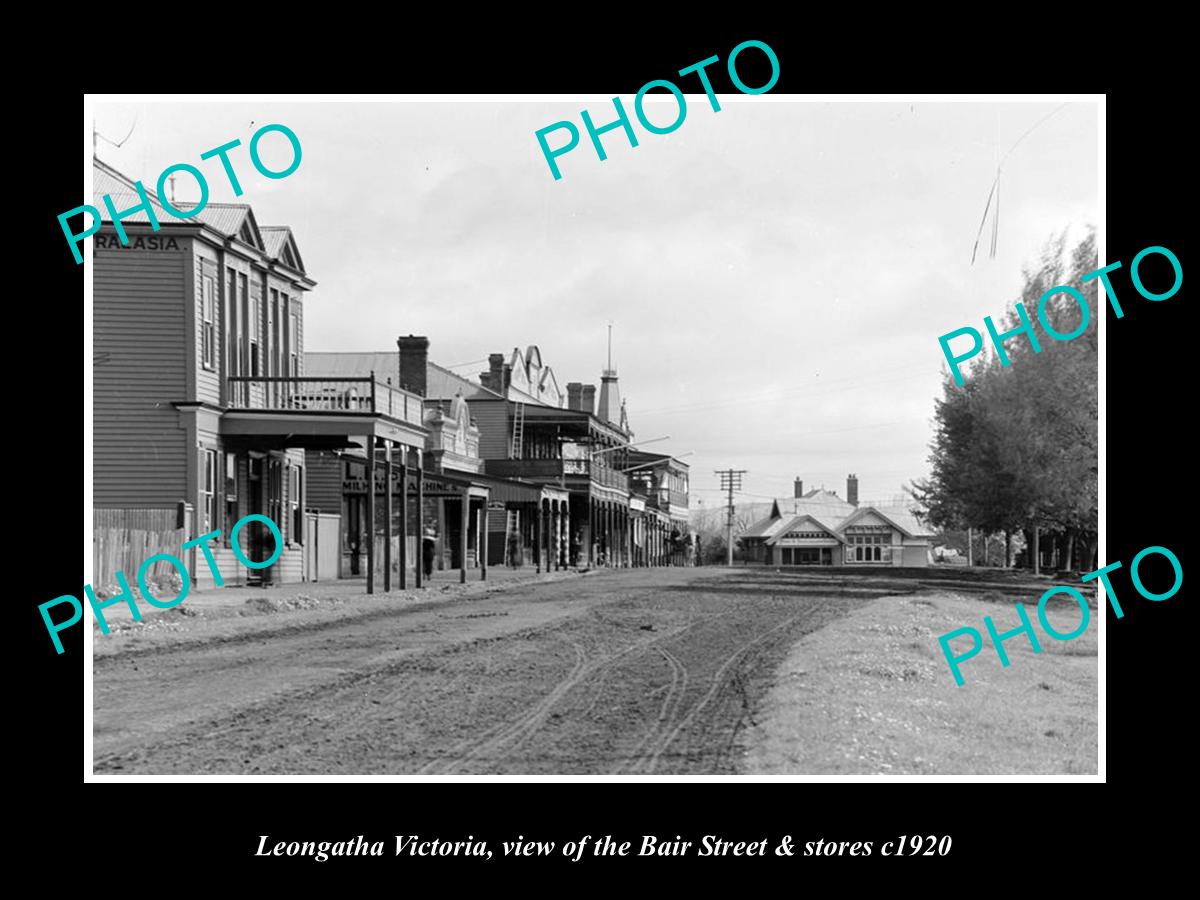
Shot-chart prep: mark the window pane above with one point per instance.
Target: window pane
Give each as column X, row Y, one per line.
column 207, row 512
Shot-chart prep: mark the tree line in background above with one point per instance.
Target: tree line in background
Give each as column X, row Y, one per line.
column 1015, row 451
column 709, row 524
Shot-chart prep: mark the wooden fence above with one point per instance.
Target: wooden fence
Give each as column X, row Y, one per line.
column 122, row 539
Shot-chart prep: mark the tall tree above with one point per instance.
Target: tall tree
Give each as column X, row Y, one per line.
column 1015, row 448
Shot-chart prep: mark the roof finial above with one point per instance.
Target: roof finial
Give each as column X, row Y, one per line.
column 610, row 345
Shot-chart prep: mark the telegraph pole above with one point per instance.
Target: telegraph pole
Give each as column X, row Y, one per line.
column 731, row 480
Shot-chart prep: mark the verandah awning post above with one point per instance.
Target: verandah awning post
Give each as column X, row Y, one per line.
column 419, row 475
column 462, row 535
column 403, row 517
column 484, row 513
column 369, row 443
column 387, row 514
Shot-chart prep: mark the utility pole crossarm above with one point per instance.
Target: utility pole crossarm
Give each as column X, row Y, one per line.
column 731, row 480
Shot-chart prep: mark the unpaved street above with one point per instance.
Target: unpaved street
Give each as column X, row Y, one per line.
column 647, row 671
column 638, row 671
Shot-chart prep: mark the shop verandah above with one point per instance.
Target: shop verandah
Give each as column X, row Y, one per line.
column 411, row 522
column 529, row 524
column 439, row 522
column 251, row 456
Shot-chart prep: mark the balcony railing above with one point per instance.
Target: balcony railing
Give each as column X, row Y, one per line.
column 323, row 395
column 559, row 468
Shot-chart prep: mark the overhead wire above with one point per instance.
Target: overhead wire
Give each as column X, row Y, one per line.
column 994, row 191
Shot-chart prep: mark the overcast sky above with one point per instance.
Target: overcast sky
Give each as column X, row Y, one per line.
column 777, row 273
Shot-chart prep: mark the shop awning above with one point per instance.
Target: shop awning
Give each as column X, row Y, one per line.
column 510, row 491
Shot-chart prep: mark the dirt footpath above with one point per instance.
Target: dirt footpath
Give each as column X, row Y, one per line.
column 872, row 694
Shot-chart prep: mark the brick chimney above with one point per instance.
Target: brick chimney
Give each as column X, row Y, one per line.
column 799, row 488
column 574, row 395
column 493, row 378
column 588, row 403
column 414, row 356
column 852, row 490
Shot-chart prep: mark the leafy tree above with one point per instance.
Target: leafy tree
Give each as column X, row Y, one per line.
column 1015, row 448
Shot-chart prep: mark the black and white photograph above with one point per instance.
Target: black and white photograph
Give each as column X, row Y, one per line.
column 741, row 434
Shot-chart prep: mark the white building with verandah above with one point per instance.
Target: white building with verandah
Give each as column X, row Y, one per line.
column 819, row 528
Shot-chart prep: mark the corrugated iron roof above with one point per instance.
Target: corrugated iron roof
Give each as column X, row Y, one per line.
column 107, row 180
column 904, row 519
column 761, row 528
column 818, row 502
column 226, row 218
column 274, row 238
column 318, row 364
column 440, row 384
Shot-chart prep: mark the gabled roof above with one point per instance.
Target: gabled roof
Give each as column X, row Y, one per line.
column 274, row 238
column 832, row 517
column 280, row 245
column 234, row 220
column 898, row 516
column 791, row 524
column 870, row 510
column 229, row 219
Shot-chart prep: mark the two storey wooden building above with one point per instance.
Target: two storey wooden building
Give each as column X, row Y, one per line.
column 201, row 408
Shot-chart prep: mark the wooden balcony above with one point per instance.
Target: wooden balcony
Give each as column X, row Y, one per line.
column 339, row 395
column 567, row 470
column 668, row 501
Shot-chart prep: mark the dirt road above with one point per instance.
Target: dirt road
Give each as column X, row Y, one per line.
column 636, row 671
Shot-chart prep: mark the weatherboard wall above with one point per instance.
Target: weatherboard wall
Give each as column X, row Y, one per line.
column 139, row 453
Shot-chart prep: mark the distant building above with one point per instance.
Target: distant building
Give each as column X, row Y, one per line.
column 551, row 479
column 580, row 448
column 819, row 528
column 508, row 520
column 658, row 487
column 524, row 377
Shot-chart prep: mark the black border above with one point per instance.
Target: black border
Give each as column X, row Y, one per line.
column 213, row 834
